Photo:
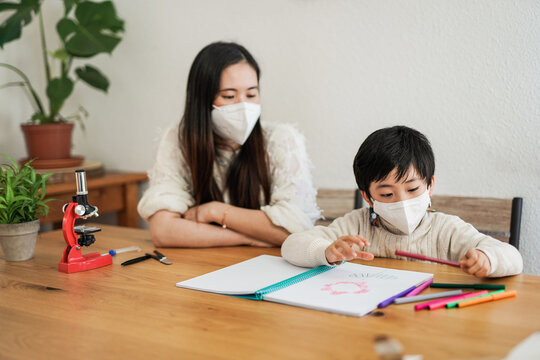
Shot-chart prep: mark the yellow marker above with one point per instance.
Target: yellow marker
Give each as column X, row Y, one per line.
column 493, row 297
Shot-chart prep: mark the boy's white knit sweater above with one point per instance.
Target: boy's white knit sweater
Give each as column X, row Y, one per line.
column 438, row 235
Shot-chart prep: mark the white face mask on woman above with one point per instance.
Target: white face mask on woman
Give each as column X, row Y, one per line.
column 235, row 122
column 404, row 215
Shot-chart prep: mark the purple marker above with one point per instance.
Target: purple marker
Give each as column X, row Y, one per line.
column 391, row 300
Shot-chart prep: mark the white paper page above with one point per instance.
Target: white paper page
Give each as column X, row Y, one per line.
column 350, row 289
column 245, row 277
column 527, row 349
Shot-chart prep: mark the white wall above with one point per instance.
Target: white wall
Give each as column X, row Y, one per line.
column 466, row 73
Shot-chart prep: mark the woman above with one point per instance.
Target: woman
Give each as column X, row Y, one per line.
column 221, row 177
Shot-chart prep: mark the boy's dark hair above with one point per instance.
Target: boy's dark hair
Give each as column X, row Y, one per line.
column 389, row 148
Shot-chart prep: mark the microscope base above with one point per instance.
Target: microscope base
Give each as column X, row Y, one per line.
column 86, row 262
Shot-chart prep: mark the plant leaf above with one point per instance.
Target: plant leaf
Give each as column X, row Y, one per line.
column 90, row 13
column 58, row 90
column 8, row 6
column 9, row 193
column 93, row 77
column 22, row 192
column 65, row 27
column 12, row 83
column 34, row 95
column 97, row 29
column 61, row 54
column 38, row 117
column 68, row 5
column 11, row 28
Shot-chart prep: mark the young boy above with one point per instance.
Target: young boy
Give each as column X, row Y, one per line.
column 394, row 170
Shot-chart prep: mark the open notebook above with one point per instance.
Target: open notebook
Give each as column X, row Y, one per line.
column 349, row 289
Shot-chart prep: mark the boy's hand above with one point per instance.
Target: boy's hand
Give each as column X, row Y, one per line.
column 342, row 249
column 476, row 263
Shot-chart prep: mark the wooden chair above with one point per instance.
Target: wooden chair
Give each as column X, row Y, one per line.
column 337, row 202
column 498, row 218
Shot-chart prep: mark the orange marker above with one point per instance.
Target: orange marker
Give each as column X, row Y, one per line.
column 493, row 297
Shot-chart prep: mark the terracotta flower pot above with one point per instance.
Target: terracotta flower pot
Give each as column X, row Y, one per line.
column 19, row 240
column 48, row 141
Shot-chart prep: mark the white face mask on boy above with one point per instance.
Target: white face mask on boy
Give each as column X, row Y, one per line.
column 235, row 122
column 404, row 215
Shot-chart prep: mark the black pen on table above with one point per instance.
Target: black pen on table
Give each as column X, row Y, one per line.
column 136, row 260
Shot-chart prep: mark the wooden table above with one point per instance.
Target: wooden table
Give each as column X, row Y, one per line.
column 113, row 192
column 136, row 312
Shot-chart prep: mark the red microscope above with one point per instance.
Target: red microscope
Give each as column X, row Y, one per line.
column 78, row 236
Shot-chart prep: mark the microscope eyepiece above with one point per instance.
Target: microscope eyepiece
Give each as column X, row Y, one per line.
column 80, row 177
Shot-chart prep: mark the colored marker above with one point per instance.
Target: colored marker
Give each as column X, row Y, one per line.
column 405, row 300
column 493, row 297
column 123, row 250
column 391, row 300
column 419, row 288
column 469, row 286
column 454, row 304
column 441, row 303
column 425, row 305
column 427, row 258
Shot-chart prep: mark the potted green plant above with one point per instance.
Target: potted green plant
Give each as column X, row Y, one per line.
column 22, row 201
column 86, row 29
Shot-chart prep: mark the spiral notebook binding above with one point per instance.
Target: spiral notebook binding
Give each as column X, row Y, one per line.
column 259, row 294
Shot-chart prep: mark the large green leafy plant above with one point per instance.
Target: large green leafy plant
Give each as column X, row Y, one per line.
column 22, row 193
column 86, row 29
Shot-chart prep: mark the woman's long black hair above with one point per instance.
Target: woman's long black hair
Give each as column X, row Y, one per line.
column 249, row 173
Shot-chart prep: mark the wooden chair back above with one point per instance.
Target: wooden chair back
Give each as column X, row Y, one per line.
column 337, row 202
column 498, row 218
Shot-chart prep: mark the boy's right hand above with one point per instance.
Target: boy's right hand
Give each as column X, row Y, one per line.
column 342, row 249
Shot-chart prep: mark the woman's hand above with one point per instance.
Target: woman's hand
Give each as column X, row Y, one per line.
column 206, row 213
column 254, row 226
column 213, row 212
column 476, row 263
column 342, row 249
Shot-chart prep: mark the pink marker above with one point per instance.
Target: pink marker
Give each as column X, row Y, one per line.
column 427, row 258
column 420, row 288
column 435, row 304
column 441, row 303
